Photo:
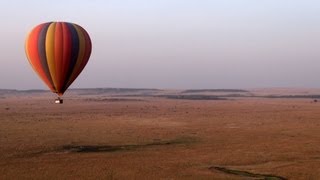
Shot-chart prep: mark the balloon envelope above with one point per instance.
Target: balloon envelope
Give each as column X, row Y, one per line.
column 58, row 52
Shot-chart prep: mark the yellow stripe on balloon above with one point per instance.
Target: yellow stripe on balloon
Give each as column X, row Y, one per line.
column 50, row 52
column 80, row 54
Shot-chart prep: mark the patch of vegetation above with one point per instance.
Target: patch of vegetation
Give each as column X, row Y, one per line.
column 112, row 100
column 247, row 174
column 7, row 91
column 114, row 148
column 34, row 91
column 95, row 91
column 314, row 96
column 194, row 97
column 215, row 90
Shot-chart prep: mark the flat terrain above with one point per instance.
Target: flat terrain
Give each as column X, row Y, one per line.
column 149, row 135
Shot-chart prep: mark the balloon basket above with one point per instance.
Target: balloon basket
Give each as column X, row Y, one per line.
column 58, row 101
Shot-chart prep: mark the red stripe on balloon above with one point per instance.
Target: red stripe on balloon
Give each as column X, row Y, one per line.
column 67, row 43
column 58, row 58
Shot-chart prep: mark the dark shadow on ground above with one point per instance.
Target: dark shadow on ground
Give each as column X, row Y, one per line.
column 246, row 173
column 128, row 147
column 88, row 148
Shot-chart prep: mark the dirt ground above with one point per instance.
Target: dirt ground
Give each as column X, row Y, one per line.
column 158, row 138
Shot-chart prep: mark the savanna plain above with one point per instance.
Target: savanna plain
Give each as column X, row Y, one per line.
column 160, row 134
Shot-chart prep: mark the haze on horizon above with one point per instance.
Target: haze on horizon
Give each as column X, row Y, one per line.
column 174, row 43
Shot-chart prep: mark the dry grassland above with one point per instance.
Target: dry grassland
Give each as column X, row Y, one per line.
column 159, row 138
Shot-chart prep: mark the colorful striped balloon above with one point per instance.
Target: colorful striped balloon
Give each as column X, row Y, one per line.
column 58, row 52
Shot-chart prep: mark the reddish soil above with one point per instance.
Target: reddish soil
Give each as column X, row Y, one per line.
column 158, row 138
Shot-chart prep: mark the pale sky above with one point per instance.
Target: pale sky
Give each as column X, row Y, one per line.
column 174, row 43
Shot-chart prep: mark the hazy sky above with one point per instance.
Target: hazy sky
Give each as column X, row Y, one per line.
column 174, row 43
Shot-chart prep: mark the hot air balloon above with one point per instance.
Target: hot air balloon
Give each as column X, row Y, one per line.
column 58, row 52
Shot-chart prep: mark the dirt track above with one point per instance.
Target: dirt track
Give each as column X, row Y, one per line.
column 154, row 138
